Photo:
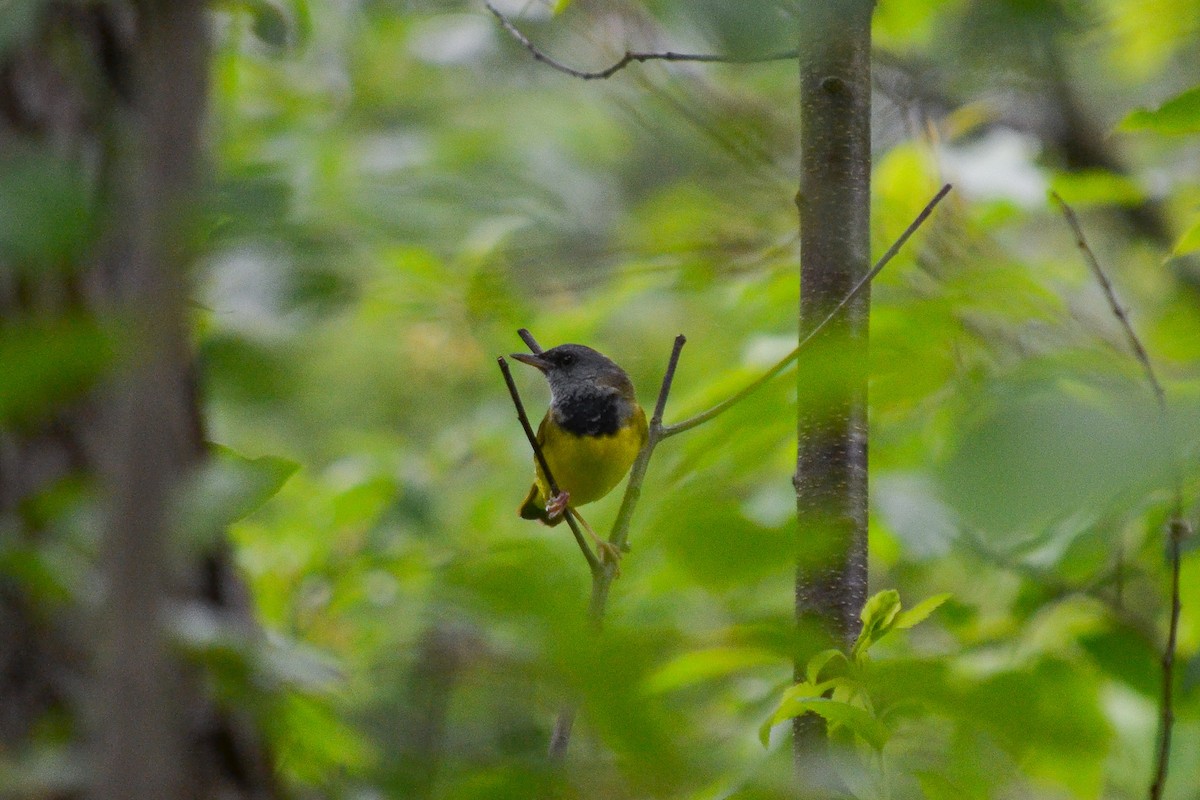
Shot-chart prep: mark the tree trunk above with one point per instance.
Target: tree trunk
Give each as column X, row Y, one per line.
column 114, row 93
column 834, row 205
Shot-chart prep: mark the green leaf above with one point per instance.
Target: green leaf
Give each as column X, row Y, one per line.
column 817, row 663
column 921, row 611
column 718, row 662
column 46, row 363
column 938, row 787
column 230, row 487
column 878, row 616
column 319, row 740
column 805, row 689
column 1190, row 241
column 835, row 712
column 561, row 6
column 1048, row 716
column 1051, row 446
column 1095, row 187
column 274, row 23
column 1180, row 114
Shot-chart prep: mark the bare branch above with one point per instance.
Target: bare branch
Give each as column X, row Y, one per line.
column 529, row 341
column 629, row 57
column 619, row 537
column 1177, row 528
column 592, row 560
column 1139, row 352
column 703, row 417
column 667, row 381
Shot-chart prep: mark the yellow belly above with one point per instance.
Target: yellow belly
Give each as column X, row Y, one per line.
column 588, row 467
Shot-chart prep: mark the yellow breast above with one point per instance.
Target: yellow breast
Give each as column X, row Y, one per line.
column 588, row 467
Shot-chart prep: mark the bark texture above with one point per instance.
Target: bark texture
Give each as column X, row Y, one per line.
column 834, row 205
column 113, row 94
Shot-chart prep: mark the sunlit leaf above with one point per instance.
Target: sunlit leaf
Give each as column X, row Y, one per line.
column 1097, row 187
column 921, row 611
column 1180, row 114
column 703, row 665
column 836, row 713
column 878, row 616
column 939, row 787
column 1189, row 242
column 817, row 664
column 314, row 738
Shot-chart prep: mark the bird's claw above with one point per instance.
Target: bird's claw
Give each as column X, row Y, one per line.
column 556, row 505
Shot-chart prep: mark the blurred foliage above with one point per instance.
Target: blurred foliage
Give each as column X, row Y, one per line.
column 1178, row 115
column 397, row 186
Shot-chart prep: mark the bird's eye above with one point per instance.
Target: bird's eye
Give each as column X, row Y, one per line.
column 567, row 359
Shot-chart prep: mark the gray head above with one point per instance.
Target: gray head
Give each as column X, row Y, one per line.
column 575, row 369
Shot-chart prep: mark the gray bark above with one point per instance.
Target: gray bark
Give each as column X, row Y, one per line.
column 116, row 91
column 834, row 206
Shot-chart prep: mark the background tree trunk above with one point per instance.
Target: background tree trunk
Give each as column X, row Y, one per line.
column 834, row 205
column 116, row 92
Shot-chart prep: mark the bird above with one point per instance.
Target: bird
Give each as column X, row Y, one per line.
column 591, row 434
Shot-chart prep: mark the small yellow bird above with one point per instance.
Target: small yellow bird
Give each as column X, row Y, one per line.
column 590, row 436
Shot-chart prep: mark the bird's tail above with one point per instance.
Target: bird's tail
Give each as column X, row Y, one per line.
column 534, row 507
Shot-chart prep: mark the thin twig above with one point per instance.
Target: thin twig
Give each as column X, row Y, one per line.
column 529, row 341
column 671, row 430
column 560, row 737
column 1139, row 352
column 1177, row 528
column 619, row 537
column 629, row 57
column 592, row 560
column 1166, row 723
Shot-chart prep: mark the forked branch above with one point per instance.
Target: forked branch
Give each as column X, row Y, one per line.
column 1177, row 528
column 630, row 57
column 1135, row 343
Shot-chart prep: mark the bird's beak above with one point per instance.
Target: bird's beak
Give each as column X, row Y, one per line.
column 532, row 360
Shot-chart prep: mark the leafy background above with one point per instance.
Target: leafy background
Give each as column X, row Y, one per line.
column 398, row 187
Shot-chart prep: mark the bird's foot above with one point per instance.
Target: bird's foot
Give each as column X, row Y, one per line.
column 608, row 552
column 556, row 505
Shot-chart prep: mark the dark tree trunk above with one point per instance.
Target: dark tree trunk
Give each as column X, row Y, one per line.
column 834, row 205
column 115, row 93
